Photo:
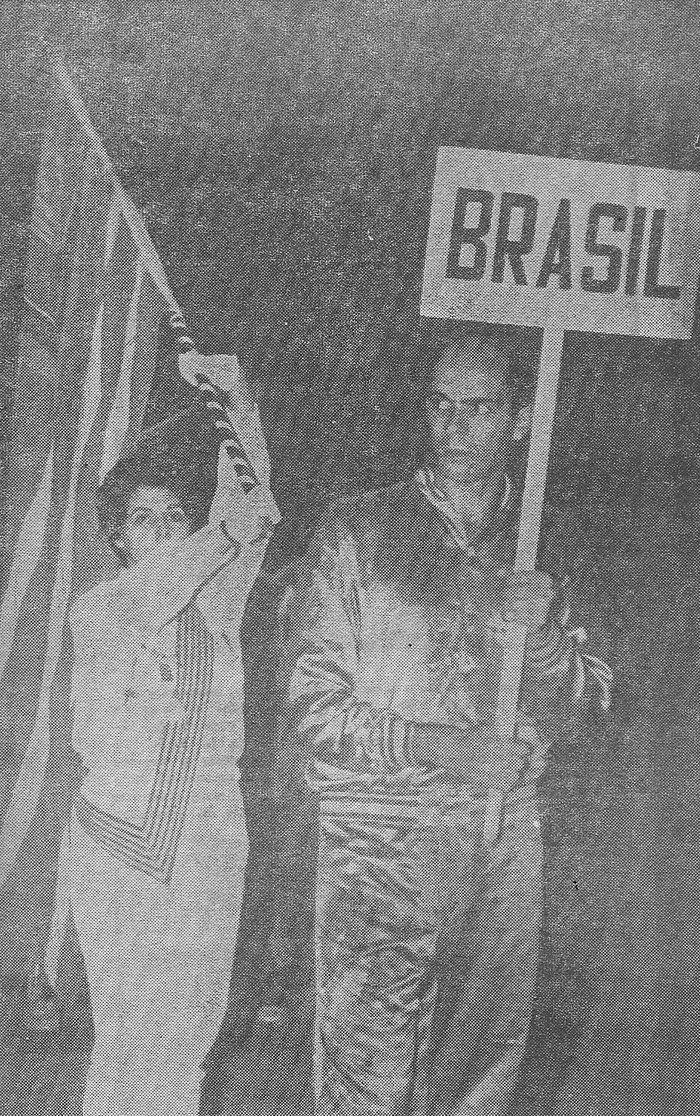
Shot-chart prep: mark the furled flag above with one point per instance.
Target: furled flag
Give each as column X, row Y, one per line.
column 95, row 295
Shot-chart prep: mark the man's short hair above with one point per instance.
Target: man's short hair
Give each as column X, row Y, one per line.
column 433, row 340
column 143, row 471
column 518, row 357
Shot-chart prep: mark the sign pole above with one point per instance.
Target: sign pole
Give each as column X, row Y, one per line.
column 526, row 554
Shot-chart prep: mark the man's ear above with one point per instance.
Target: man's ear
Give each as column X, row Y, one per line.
column 523, row 422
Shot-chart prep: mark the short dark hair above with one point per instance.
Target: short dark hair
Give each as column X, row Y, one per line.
column 509, row 342
column 140, row 470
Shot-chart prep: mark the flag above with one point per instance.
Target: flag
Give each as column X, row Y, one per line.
column 94, row 299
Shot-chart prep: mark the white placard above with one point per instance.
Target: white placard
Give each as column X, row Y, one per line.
column 537, row 241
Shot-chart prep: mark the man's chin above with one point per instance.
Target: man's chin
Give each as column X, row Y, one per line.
column 462, row 467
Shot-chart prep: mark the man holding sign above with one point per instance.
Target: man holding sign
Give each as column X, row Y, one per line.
column 427, row 934
column 429, row 660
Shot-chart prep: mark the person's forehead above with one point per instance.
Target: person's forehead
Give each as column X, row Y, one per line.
column 146, row 497
column 472, row 371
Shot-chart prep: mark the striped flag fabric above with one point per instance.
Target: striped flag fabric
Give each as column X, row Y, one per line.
column 95, row 295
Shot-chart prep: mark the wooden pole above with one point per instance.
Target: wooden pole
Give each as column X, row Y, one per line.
column 526, row 554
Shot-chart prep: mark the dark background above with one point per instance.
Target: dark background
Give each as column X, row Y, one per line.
column 283, row 155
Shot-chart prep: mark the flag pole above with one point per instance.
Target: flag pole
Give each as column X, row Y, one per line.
column 134, row 220
column 526, row 554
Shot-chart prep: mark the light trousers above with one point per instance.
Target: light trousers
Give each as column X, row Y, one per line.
column 158, row 959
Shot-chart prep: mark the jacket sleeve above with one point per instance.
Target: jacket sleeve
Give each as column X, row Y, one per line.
column 346, row 738
column 242, row 516
column 561, row 676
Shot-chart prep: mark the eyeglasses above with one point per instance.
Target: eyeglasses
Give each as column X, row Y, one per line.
column 447, row 407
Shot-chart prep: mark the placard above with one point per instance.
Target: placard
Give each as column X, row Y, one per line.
column 536, row 241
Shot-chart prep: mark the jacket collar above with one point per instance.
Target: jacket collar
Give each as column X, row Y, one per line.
column 470, row 541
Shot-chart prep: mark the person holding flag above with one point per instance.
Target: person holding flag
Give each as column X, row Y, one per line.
column 152, row 860
column 133, row 678
column 427, row 928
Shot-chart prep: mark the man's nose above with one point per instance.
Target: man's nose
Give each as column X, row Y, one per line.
column 461, row 421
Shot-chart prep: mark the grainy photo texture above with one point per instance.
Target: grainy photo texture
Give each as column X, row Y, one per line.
column 349, row 655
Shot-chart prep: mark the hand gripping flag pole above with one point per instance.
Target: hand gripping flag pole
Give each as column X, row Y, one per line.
column 216, row 402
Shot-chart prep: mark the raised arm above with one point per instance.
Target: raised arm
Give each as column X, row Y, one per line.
column 243, row 506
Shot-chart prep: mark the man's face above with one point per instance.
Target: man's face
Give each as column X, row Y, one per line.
column 153, row 516
column 470, row 413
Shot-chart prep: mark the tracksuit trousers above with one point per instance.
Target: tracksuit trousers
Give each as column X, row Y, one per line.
column 158, row 958
column 426, row 950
